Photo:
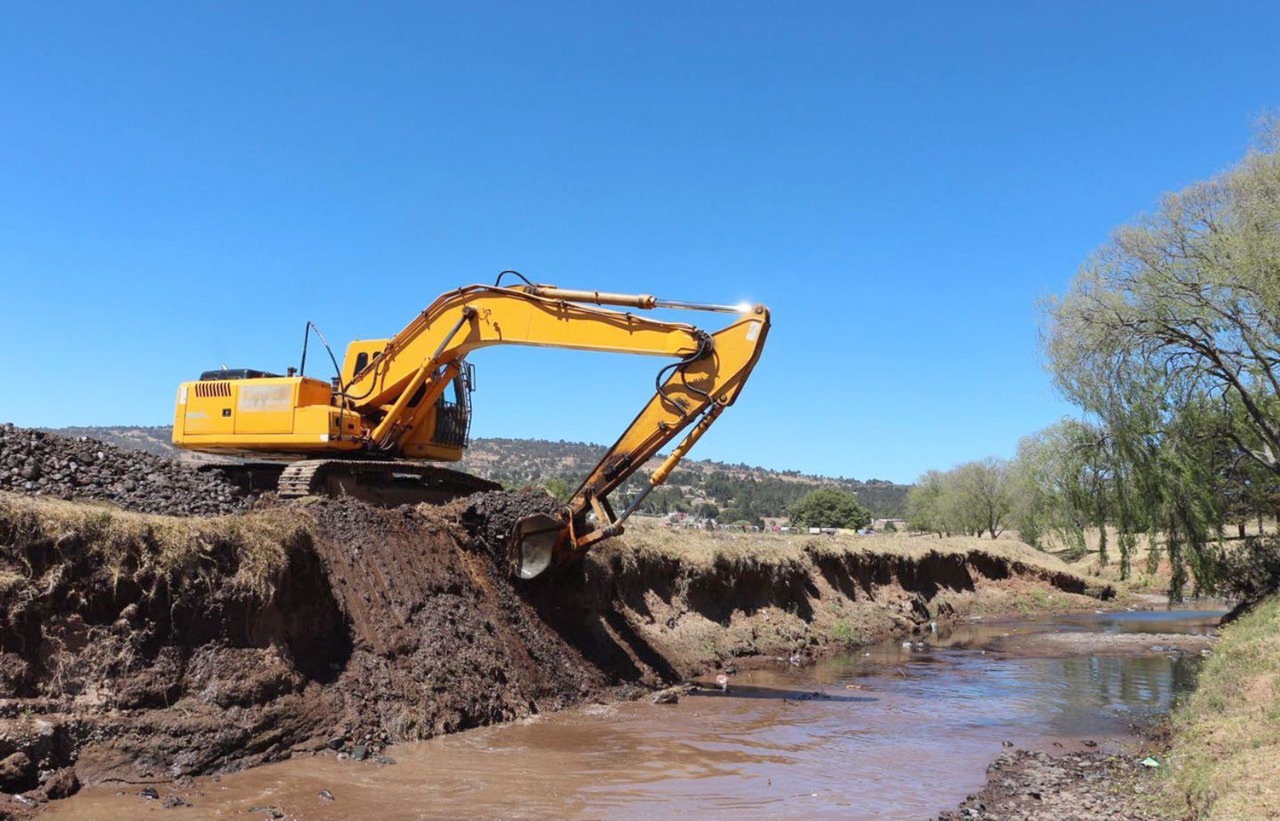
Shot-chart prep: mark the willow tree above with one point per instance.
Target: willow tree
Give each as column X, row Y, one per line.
column 973, row 498
column 1066, row 483
column 1170, row 335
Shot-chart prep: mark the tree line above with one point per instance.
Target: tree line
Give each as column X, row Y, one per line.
column 1168, row 340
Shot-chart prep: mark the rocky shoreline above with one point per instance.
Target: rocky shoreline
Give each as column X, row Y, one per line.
column 1089, row 786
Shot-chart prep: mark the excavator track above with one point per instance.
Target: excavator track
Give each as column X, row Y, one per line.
column 381, row 481
column 297, row 480
column 378, row 481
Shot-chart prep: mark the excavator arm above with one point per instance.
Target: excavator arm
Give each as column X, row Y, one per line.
column 706, row 376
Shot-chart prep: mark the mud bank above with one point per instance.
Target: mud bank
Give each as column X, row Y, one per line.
column 147, row 648
column 687, row 603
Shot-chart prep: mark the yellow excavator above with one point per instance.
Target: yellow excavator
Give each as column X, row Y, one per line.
column 399, row 404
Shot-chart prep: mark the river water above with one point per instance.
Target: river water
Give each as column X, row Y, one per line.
column 890, row 731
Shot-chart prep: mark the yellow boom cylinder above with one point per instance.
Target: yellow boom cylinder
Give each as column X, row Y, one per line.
column 669, row 464
column 642, row 301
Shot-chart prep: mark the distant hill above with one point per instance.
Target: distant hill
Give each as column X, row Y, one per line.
column 729, row 492
column 738, row 491
column 155, row 439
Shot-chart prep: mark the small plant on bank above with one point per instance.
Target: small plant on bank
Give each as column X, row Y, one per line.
column 842, row 631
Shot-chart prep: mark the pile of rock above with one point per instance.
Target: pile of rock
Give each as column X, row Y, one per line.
column 1079, row 785
column 46, row 464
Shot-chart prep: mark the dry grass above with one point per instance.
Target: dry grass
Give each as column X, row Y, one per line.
column 702, row 549
column 1226, row 744
column 142, row 545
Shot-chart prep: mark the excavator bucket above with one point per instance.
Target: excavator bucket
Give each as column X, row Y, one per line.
column 534, row 542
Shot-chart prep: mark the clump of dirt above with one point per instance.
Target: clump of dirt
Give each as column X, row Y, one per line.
column 143, row 645
column 489, row 517
column 440, row 639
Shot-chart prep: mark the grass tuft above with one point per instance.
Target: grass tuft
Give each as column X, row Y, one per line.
column 701, row 549
column 129, row 546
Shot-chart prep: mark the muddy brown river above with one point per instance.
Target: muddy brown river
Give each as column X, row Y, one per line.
column 891, row 731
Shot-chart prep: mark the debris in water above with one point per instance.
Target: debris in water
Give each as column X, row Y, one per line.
column 668, row 696
column 723, row 681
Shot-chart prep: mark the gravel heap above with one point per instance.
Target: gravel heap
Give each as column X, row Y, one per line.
column 46, row 464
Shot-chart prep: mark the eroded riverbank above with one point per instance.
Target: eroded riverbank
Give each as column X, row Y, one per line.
column 151, row 648
column 889, row 731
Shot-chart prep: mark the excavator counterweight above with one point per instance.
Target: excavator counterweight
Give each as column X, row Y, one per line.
column 401, row 403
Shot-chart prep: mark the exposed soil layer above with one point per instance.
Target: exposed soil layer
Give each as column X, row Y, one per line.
column 382, row 625
column 438, row 640
column 654, row 616
column 1086, row 786
column 352, row 627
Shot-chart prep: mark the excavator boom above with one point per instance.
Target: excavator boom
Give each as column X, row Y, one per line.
column 389, row 401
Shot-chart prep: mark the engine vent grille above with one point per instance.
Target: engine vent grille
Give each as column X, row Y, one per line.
column 206, row 390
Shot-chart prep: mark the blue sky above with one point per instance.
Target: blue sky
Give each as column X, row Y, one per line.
column 184, row 186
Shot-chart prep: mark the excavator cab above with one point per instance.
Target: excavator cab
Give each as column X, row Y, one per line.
column 453, row 415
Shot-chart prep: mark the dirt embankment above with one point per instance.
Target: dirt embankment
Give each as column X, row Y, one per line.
column 676, row 604
column 150, row 648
